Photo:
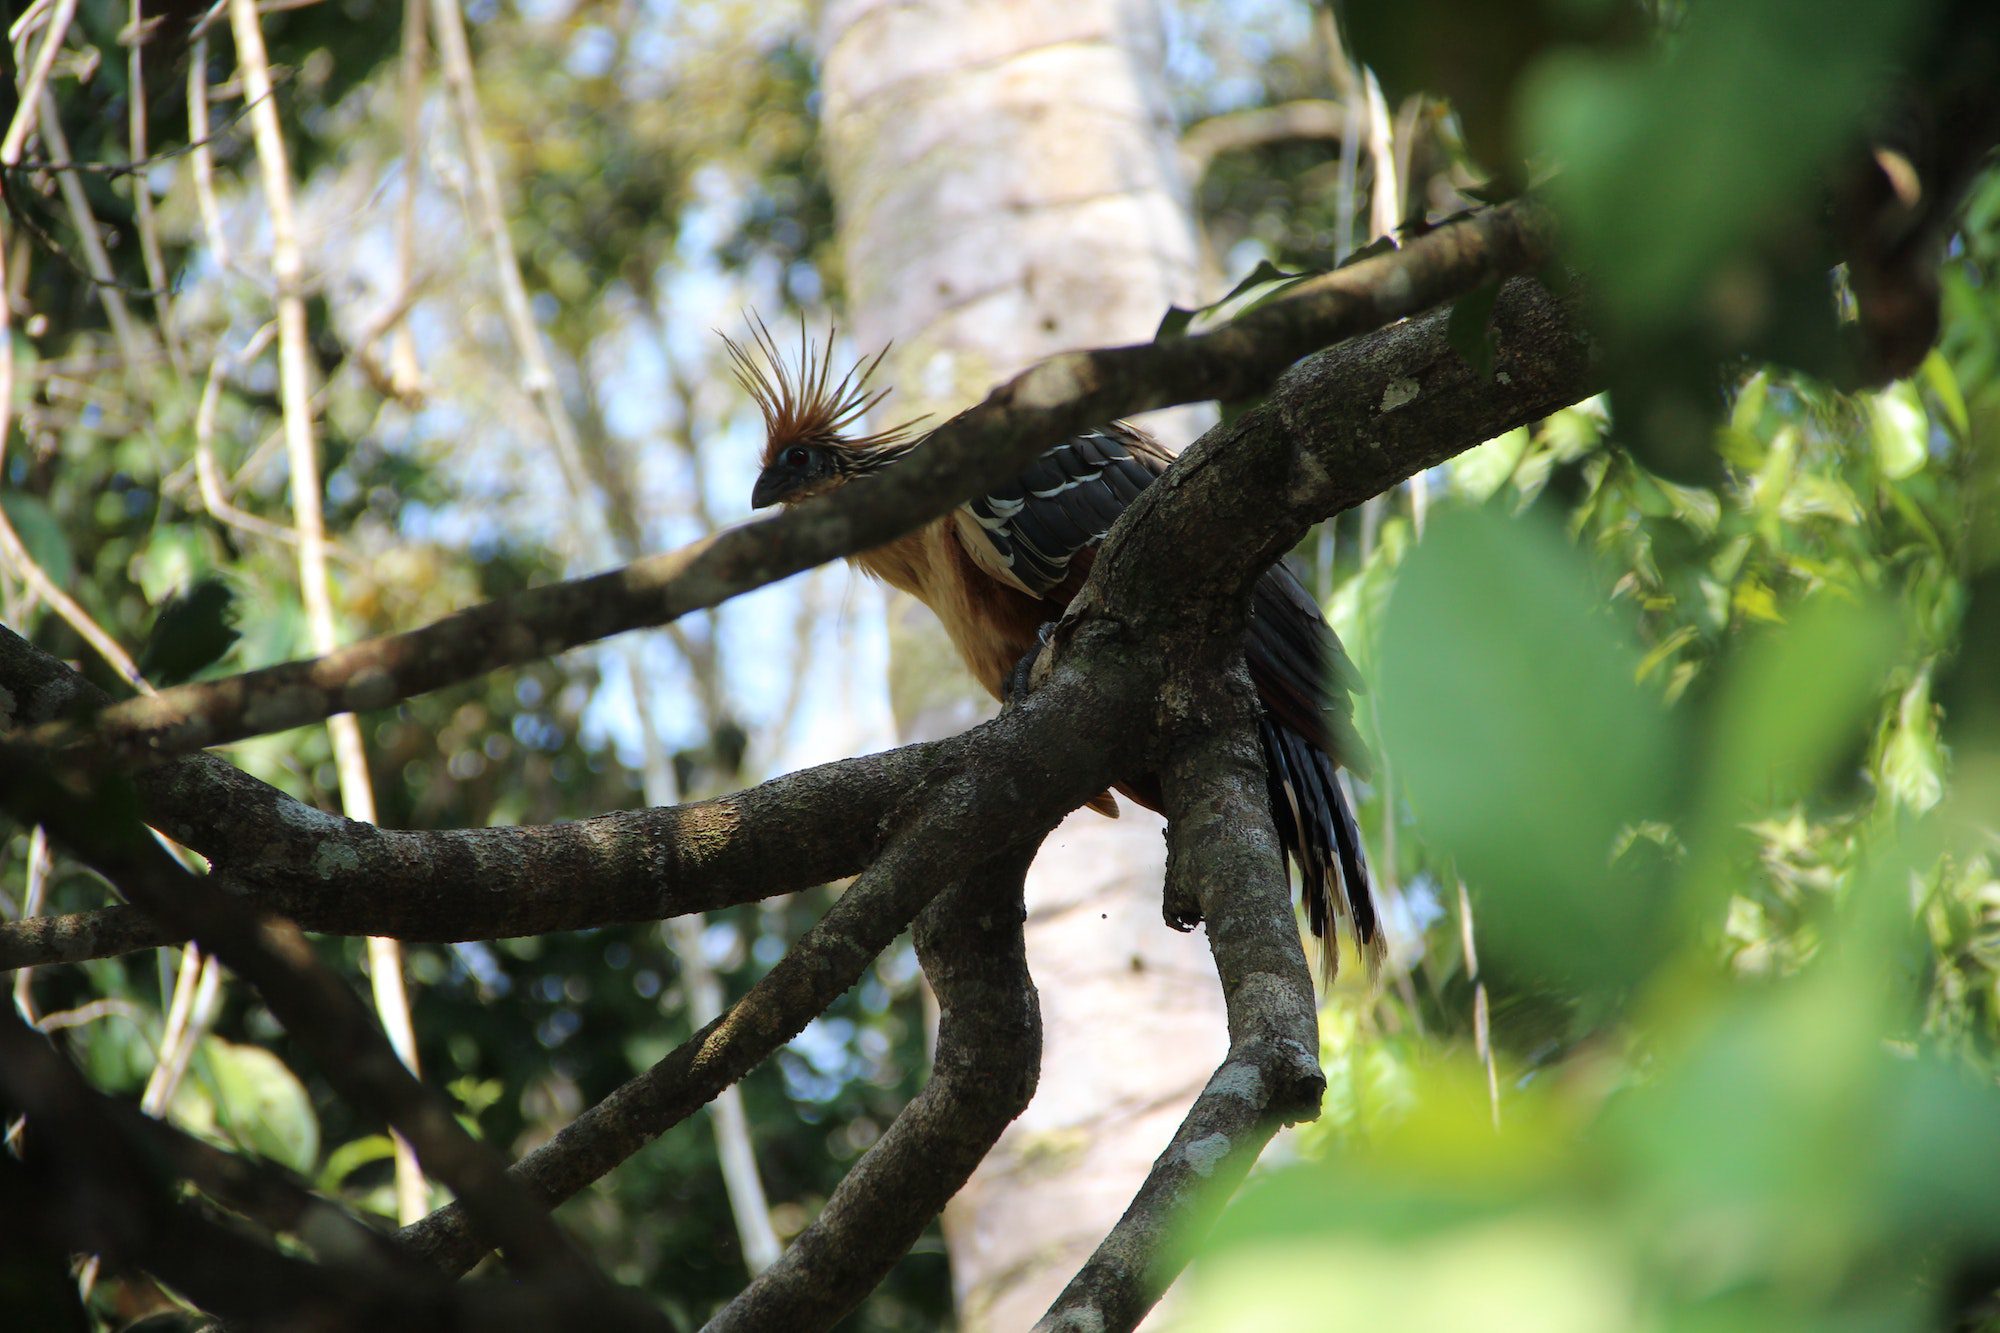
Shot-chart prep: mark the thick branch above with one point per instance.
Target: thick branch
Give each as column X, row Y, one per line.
column 1256, row 127
column 315, row 1006
column 988, row 1058
column 1340, row 427
column 1223, row 853
column 1334, row 431
column 1027, row 778
column 346, row 877
column 980, row 448
column 88, row 1179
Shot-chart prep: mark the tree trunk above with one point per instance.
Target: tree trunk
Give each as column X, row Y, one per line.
column 1008, row 187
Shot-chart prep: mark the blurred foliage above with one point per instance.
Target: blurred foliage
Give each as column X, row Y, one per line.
column 1711, row 163
column 642, row 150
column 1711, row 758
column 1716, row 766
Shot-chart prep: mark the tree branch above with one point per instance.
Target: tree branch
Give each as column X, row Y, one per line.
column 1339, row 428
column 988, row 1058
column 89, row 1179
column 315, row 1006
column 1222, row 852
column 1256, row 127
column 342, row 876
column 982, row 447
column 1009, row 800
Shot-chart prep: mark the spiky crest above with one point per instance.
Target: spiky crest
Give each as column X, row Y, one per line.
column 805, row 404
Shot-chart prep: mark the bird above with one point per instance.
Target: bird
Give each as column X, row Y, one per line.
column 1000, row 568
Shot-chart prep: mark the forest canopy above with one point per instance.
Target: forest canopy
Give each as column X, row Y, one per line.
column 1622, row 378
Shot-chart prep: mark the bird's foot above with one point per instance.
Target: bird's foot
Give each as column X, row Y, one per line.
column 1019, row 680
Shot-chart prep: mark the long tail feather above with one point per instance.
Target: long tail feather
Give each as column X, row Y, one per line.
column 1317, row 830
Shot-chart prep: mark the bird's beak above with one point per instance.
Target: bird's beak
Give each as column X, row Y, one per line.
column 773, row 485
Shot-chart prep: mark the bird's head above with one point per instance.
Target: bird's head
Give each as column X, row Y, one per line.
column 809, row 418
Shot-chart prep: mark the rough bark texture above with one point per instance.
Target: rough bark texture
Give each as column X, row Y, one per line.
column 1118, row 692
column 1009, row 187
column 1223, row 854
column 988, row 1057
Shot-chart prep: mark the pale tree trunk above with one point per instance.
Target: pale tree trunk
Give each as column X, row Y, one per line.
column 1008, row 187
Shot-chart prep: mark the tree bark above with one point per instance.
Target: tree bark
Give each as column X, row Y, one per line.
column 1008, row 187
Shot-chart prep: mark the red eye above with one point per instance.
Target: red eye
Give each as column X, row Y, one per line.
column 793, row 457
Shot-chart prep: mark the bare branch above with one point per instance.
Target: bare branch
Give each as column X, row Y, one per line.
column 74, row 937
column 1223, row 853
column 955, row 814
column 1258, row 127
column 88, row 1179
column 1321, row 443
column 315, row 1006
column 988, row 1058
column 981, row 447
column 343, row 877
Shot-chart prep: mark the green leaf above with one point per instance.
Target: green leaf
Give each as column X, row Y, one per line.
column 191, row 632
column 174, row 557
column 1790, row 705
column 350, row 1157
column 1912, row 761
column 1508, row 700
column 1470, row 328
column 261, row 1105
column 1174, row 324
column 1480, row 472
column 1943, row 382
column 1673, row 160
column 1900, row 431
column 42, row 535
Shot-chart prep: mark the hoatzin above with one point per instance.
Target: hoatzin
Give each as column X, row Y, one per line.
column 997, row 569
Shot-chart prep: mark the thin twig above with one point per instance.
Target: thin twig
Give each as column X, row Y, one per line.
column 1256, row 127
column 177, row 1047
column 142, row 203
column 405, row 377
column 110, row 291
column 15, row 552
column 36, row 884
column 199, row 138
column 208, row 477
column 357, row 791
column 739, row 1165
column 1482, row 1025
column 30, row 92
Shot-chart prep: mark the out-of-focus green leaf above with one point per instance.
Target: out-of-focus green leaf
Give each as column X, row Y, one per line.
column 351, row 1156
column 1521, row 1271
column 1790, row 706
column 1670, row 160
column 42, row 535
column 1508, row 699
column 1479, row 472
column 1940, row 379
column 1900, row 431
column 260, row 1104
column 191, row 632
column 177, row 556
column 1470, row 328
column 1912, row 760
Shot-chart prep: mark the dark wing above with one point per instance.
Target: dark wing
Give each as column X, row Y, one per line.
column 1301, row 672
column 1304, row 678
column 1028, row 532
